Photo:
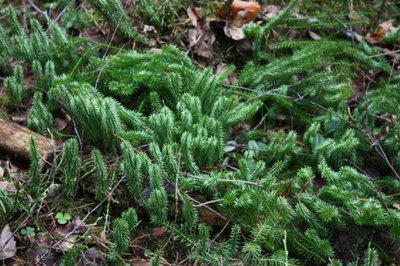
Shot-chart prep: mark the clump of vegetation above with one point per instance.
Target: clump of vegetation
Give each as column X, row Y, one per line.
column 273, row 169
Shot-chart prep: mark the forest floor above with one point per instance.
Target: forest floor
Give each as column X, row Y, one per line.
column 199, row 132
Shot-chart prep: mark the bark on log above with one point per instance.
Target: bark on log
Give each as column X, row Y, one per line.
column 15, row 140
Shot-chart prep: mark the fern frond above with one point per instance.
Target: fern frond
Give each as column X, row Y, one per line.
column 34, row 183
column 311, row 246
column 15, row 91
column 100, row 174
column 39, row 119
column 132, row 167
column 121, row 235
column 71, row 163
column 130, row 216
column 14, row 21
column 158, row 206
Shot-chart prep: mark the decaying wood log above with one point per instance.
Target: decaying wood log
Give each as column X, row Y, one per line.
column 15, row 140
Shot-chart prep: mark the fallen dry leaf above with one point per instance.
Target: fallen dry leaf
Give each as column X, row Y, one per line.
column 67, row 244
column 314, row 36
column 201, row 38
column 234, row 32
column 158, row 232
column 396, row 205
column 193, row 15
column 81, row 227
column 41, row 252
column 77, row 226
column 243, row 17
column 242, row 14
column 7, row 243
column 63, row 230
column 245, row 11
column 385, row 27
column 41, row 256
column 69, row 231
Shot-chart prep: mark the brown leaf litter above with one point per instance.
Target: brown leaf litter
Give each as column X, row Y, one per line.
column 201, row 38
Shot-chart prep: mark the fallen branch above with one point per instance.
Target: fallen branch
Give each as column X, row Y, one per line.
column 15, row 140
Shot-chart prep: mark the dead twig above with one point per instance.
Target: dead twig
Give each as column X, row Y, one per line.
column 208, row 202
column 44, row 13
